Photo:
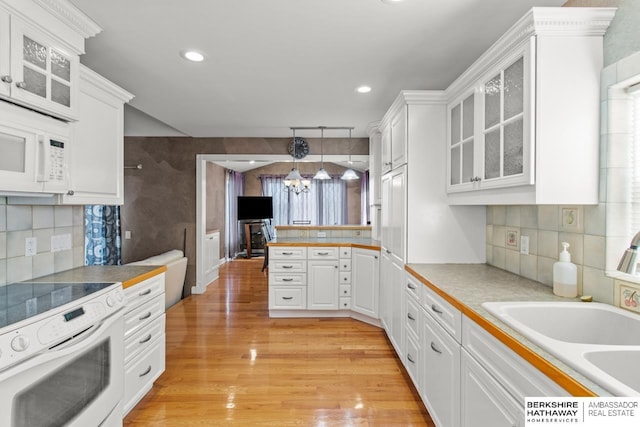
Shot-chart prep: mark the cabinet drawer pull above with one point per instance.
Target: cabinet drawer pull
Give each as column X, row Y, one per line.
column 375, row 256
column 145, row 372
column 410, row 316
column 145, row 339
column 323, row 253
column 410, row 358
column 411, row 286
column 287, row 253
column 436, row 309
column 434, row 348
column 387, row 251
column 287, row 279
column 345, row 266
column 146, row 316
column 147, row 292
column 287, row 298
column 287, row 266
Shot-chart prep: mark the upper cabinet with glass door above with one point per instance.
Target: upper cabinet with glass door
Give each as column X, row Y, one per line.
column 523, row 124
column 39, row 59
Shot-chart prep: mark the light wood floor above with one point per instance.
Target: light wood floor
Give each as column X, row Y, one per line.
column 229, row 364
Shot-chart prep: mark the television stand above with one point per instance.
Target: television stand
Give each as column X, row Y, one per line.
column 254, row 238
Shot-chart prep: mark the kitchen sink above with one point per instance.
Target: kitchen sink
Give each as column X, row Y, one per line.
column 598, row 340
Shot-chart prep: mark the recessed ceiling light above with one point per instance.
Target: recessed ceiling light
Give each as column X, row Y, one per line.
column 364, row 89
column 192, row 55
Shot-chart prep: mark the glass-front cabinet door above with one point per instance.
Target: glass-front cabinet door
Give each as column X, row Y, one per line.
column 462, row 144
column 44, row 74
column 506, row 124
column 5, row 54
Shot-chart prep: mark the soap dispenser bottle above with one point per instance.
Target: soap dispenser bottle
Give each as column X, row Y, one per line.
column 565, row 275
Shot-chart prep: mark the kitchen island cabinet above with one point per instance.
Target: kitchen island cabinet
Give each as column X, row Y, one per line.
column 316, row 278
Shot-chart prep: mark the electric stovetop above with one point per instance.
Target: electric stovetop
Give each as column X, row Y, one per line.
column 20, row 301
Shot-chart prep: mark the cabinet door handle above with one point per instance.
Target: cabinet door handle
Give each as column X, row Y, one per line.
column 287, row 298
column 287, row 266
column 434, row 348
column 436, row 309
column 411, row 286
column 387, row 251
column 6, row 79
column 287, row 279
column 146, row 316
column 287, row 253
column 410, row 316
column 375, row 256
column 147, row 292
column 145, row 372
column 145, row 339
column 21, row 85
column 410, row 358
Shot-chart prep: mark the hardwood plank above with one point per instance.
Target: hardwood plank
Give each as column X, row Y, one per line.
column 229, row 364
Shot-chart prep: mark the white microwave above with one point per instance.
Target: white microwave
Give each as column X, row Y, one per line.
column 33, row 152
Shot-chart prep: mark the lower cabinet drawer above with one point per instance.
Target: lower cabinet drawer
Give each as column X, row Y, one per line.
column 345, row 303
column 141, row 372
column 143, row 315
column 412, row 360
column 143, row 338
column 345, row 277
column 345, row 290
column 289, row 297
column 296, row 279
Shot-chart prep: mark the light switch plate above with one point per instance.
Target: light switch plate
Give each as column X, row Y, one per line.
column 30, row 246
column 322, row 234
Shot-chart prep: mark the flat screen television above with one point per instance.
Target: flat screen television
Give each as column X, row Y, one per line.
column 255, row 207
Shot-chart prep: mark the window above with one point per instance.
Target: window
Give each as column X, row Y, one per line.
column 324, row 204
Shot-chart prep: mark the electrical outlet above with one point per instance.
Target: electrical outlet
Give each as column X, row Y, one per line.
column 127, row 234
column 571, row 219
column 524, row 245
column 322, row 234
column 60, row 242
column 30, row 246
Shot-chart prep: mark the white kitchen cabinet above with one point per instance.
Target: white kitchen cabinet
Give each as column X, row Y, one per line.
column 441, row 373
column 375, row 164
column 385, row 149
column 287, row 278
column 323, row 285
column 483, row 400
column 396, row 304
column 384, row 309
column 39, row 55
column 97, row 155
column 365, row 278
column 535, row 101
column 144, row 338
column 346, row 278
column 394, row 187
column 399, row 139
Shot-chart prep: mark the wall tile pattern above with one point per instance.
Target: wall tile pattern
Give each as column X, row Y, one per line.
column 42, row 222
column 546, row 231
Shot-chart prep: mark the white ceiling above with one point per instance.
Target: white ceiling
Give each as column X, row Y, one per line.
column 280, row 63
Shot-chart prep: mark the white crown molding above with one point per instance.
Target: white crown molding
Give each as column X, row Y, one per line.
column 97, row 80
column 414, row 97
column 539, row 21
column 71, row 16
column 373, row 128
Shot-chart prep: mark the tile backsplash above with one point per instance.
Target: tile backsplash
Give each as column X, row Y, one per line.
column 546, row 227
column 18, row 222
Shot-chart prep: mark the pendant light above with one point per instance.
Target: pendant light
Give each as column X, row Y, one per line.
column 321, row 174
column 349, row 174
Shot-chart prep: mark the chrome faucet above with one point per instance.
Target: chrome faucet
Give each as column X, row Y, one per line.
column 628, row 263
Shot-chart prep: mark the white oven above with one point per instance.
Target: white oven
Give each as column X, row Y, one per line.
column 34, row 151
column 64, row 366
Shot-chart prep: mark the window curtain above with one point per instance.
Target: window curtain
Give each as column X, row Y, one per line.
column 235, row 188
column 324, row 204
column 102, row 235
column 273, row 185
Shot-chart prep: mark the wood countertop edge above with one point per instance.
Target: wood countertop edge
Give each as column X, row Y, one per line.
column 142, row 277
column 544, row 366
column 327, row 244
